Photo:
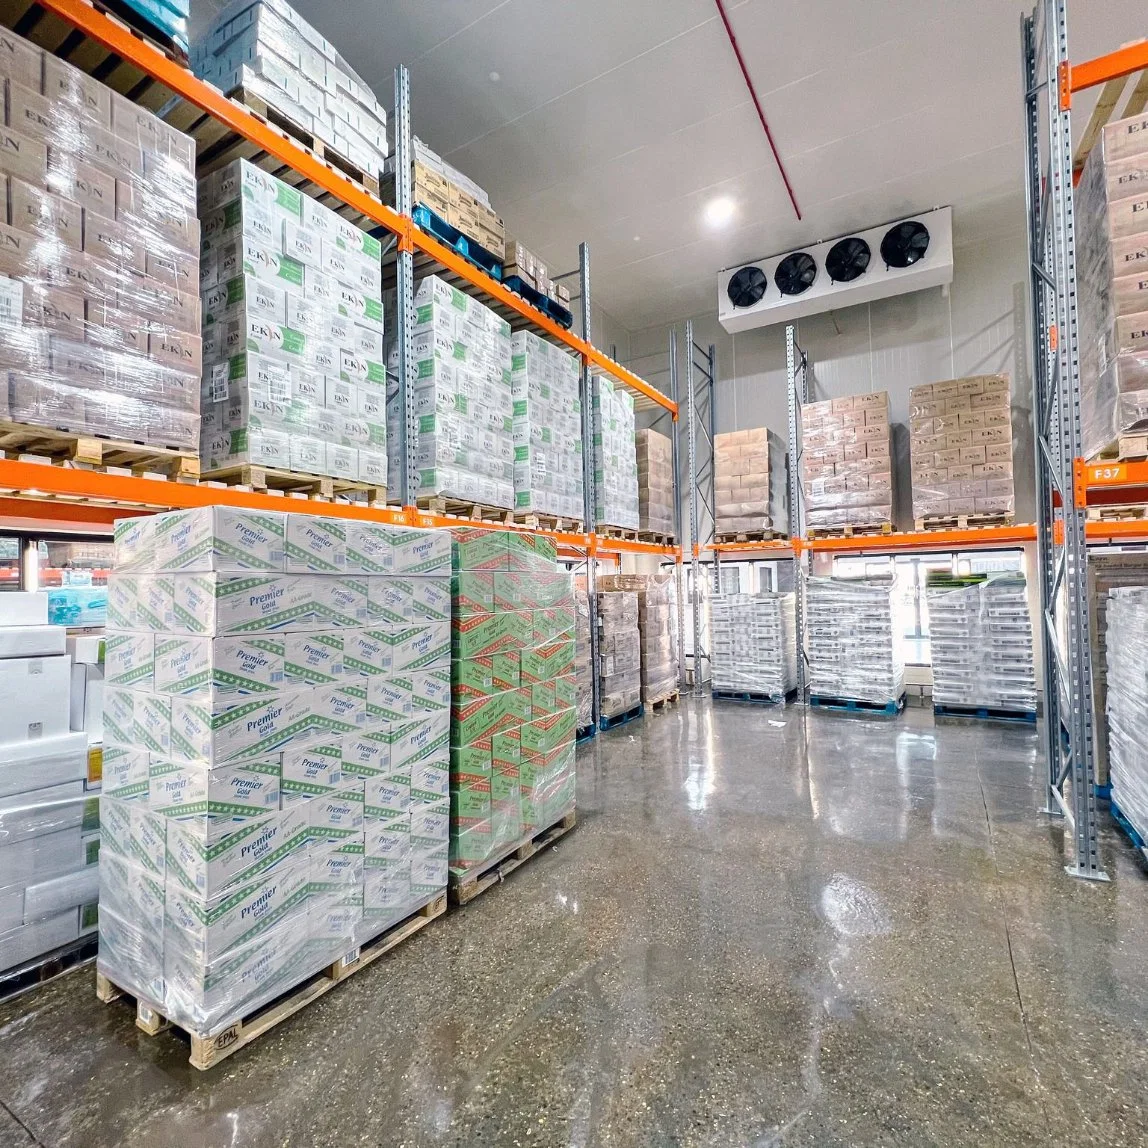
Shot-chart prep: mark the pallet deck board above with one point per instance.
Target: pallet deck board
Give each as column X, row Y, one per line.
column 97, row 451
column 614, row 720
column 266, row 478
column 732, row 537
column 549, row 307
column 461, row 508
column 856, row 705
column 756, row 696
column 985, row 713
column 851, row 530
column 662, row 702
column 961, row 521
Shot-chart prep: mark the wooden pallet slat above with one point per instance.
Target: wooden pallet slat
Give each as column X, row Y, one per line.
column 267, row 479
column 445, row 507
column 962, row 521
column 724, row 537
column 851, row 530
column 464, row 887
column 664, row 701
column 536, row 521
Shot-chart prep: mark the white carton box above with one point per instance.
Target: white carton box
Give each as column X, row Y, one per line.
column 34, row 696
column 129, row 659
column 58, row 894
column 206, row 800
column 135, row 544
column 21, row 608
column 51, row 809
column 313, row 659
column 388, row 699
column 233, row 604
column 418, row 551
column 86, row 706
column 315, row 544
column 312, row 769
column 220, row 731
column 41, row 763
column 206, row 667
column 338, row 815
column 219, row 538
column 125, row 771
column 32, row 641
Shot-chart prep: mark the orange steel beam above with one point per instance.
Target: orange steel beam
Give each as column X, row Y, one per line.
column 1109, row 483
column 24, row 514
column 1123, row 62
column 776, row 546
column 983, row 538
column 1116, row 530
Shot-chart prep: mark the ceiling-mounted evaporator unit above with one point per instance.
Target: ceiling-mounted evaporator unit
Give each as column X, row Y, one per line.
column 905, row 255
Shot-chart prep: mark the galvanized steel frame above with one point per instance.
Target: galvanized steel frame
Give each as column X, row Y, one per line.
column 797, row 395
column 701, row 414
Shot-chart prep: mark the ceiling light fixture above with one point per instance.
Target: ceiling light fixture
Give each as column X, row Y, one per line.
column 720, row 211
column 637, row 239
column 494, row 77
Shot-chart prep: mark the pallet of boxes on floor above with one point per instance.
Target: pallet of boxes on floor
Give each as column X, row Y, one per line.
column 619, row 658
column 1128, row 710
column 657, row 633
column 749, row 486
column 276, row 768
column 753, row 640
column 583, row 665
column 847, row 468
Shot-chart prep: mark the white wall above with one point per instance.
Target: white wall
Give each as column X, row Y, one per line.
column 978, row 326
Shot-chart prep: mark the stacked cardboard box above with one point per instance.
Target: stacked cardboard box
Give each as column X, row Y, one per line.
column 960, row 443
column 657, row 630
column 1128, row 703
column 847, row 473
column 276, row 723
column 749, row 482
column 583, row 667
column 655, row 455
column 754, row 643
column 615, row 459
column 980, row 635
column 519, row 262
column 99, row 267
column 852, row 650
column 1112, row 286
column 513, row 696
column 546, row 386
column 293, row 332
column 49, row 823
column 463, row 398
column 619, row 652
column 267, row 50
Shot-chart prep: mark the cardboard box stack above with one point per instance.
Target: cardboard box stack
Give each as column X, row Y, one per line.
column 451, row 195
column 655, row 456
column 753, row 639
column 619, row 652
column 960, row 443
column 513, row 696
column 852, row 650
column 293, row 332
column 1128, row 703
column 463, row 398
column 49, row 822
column 615, row 458
column 268, row 51
column 545, row 385
column 749, row 482
column 847, row 475
column 1112, row 285
column 657, row 630
column 981, row 640
column 519, row 262
column 276, row 724
column 583, row 667
column 99, row 265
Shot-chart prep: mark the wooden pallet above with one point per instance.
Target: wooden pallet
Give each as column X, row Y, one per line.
column 464, row 887
column 267, row 479
column 747, row 536
column 962, row 521
column 534, row 521
column 460, row 508
column 618, row 532
column 1117, row 513
column 96, row 451
column 1126, row 448
column 661, row 703
column 656, row 538
column 851, row 530
column 208, row 1051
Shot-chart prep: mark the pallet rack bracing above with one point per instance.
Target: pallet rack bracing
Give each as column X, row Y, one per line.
column 797, row 395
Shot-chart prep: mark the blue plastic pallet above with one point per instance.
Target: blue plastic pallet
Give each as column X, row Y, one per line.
column 985, row 713
column 1125, row 824
column 161, row 20
column 586, row 733
column 605, row 723
column 460, row 244
column 854, row 706
column 544, row 303
column 751, row 696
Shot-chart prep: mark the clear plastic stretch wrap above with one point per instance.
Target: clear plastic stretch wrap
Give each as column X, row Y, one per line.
column 619, row 652
column 583, row 668
column 847, row 472
column 749, row 482
column 854, row 652
column 99, row 264
column 513, row 694
column 1128, row 703
column 276, row 765
column 655, row 456
column 268, row 51
column 615, row 460
column 545, row 382
column 463, row 398
column 753, row 639
column 1112, row 287
column 657, row 629
column 980, row 634
column 960, row 442
column 293, row 332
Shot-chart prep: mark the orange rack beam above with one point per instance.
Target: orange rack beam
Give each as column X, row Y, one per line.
column 973, row 538
column 1113, row 66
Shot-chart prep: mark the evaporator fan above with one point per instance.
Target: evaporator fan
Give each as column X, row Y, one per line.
column 795, row 273
column 905, row 244
column 848, row 259
column 747, row 286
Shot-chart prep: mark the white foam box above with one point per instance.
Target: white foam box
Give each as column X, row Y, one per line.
column 58, row 894
column 207, row 667
column 34, row 697
column 30, row 941
column 88, row 649
column 219, row 538
column 46, row 855
column 316, row 544
column 215, row 731
column 51, row 809
column 213, row 801
column 22, row 608
column 32, row 641
column 41, row 763
column 11, row 908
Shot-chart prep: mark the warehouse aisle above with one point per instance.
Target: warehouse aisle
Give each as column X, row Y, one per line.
column 745, row 942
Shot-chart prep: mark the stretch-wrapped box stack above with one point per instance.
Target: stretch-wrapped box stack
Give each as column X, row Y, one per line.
column 99, row 264
column 960, row 444
column 545, row 384
column 1128, row 703
column 749, row 482
column 753, row 640
column 463, row 398
column 980, row 634
column 268, row 51
column 657, row 630
column 276, row 725
column 655, row 454
column 513, row 695
column 615, row 461
column 293, row 332
column 847, row 471
column 583, row 667
column 1112, row 285
column 853, row 654
column 619, row 652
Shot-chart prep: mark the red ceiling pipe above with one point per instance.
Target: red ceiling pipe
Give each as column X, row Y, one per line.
column 757, row 104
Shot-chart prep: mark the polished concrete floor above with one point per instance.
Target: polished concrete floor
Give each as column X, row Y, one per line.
column 768, row 929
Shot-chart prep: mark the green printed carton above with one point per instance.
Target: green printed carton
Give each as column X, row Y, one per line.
column 553, row 624
column 542, row 735
column 475, row 721
column 484, row 675
column 472, row 592
column 474, row 548
column 545, row 663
